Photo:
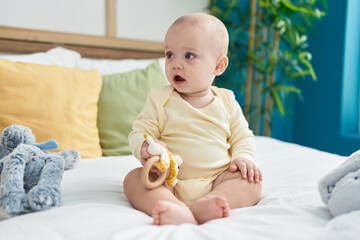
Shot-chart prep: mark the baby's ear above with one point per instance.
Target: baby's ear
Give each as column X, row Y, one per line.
column 221, row 65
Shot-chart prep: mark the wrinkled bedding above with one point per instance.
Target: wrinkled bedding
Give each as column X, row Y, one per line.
column 95, row 207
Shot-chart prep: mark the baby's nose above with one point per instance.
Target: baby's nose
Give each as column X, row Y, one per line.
column 177, row 64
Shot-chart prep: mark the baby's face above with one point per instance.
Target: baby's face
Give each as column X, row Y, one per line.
column 191, row 59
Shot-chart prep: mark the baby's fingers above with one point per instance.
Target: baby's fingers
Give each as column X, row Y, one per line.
column 239, row 166
column 251, row 173
column 254, row 174
column 258, row 175
column 247, row 169
column 243, row 170
column 144, row 158
column 233, row 167
column 154, row 169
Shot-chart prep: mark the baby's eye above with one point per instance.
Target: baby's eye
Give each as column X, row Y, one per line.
column 169, row 55
column 189, row 56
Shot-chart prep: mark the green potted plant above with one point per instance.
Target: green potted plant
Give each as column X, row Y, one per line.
column 267, row 52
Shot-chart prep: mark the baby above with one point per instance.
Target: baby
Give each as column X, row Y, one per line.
column 202, row 124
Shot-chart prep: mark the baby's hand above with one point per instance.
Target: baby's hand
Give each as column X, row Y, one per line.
column 145, row 155
column 247, row 168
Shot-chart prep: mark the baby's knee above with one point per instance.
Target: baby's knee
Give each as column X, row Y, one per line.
column 131, row 178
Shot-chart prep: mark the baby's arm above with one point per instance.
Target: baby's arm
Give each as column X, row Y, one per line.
column 146, row 123
column 242, row 146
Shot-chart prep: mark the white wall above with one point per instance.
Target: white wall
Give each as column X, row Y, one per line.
column 150, row 19
column 136, row 19
column 73, row 16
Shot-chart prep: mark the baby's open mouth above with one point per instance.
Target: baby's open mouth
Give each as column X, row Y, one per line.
column 178, row 79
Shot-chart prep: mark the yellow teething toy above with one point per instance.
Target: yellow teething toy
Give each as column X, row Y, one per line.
column 167, row 164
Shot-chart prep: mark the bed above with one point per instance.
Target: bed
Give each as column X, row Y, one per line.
column 94, row 204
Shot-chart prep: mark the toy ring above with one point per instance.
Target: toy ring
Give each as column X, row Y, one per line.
column 145, row 174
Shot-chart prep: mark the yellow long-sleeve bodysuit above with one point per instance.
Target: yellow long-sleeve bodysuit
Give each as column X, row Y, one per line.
column 206, row 139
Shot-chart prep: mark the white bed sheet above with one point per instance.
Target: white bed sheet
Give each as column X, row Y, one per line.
column 95, row 207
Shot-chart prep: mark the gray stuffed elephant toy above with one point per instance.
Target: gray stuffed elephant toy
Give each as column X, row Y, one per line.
column 30, row 177
column 340, row 188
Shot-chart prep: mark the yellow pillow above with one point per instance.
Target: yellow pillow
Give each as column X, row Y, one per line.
column 55, row 102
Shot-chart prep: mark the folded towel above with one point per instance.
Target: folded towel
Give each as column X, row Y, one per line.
column 328, row 182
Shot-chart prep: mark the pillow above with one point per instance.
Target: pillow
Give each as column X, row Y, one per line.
column 56, row 56
column 55, row 102
column 106, row 66
column 121, row 100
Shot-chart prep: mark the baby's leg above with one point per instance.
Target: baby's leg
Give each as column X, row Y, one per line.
column 160, row 203
column 230, row 191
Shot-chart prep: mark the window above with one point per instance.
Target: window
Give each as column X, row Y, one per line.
column 350, row 105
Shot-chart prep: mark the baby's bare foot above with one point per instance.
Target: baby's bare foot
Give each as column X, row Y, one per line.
column 208, row 208
column 171, row 213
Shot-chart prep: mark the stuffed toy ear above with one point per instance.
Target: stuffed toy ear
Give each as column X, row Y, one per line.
column 49, row 145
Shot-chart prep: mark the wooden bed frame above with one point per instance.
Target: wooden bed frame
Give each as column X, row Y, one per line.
column 19, row 40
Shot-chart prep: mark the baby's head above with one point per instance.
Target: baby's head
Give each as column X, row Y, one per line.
column 196, row 48
column 210, row 29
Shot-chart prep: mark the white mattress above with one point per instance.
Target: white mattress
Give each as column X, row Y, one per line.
column 95, row 207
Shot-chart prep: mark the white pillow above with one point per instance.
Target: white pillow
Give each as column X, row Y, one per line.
column 107, row 67
column 68, row 58
column 56, row 56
